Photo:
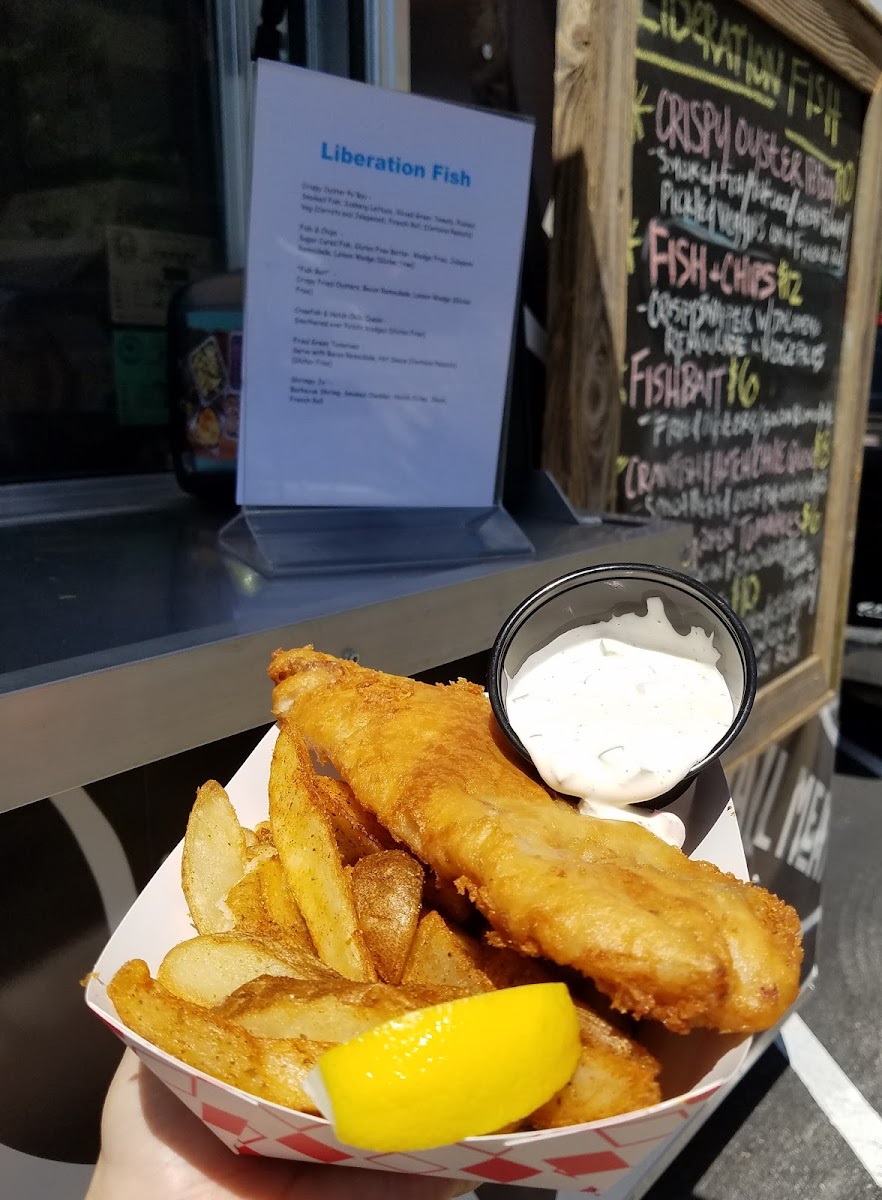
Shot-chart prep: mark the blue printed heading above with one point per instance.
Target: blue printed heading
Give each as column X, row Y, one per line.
column 391, row 163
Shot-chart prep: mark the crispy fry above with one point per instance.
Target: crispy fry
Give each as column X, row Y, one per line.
column 614, row 1075
column 311, row 861
column 281, row 905
column 357, row 831
column 258, row 853
column 213, row 860
column 269, row 1067
column 261, row 904
column 263, row 833
column 321, row 1011
column 246, row 906
column 207, row 969
column 442, row 956
column 387, row 888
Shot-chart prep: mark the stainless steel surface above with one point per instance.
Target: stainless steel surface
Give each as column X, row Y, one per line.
column 863, row 664
column 387, row 50
column 862, row 635
column 64, row 499
column 125, row 639
column 328, row 36
column 235, row 22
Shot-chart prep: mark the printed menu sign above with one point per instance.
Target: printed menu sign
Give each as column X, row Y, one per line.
column 744, row 175
column 383, row 261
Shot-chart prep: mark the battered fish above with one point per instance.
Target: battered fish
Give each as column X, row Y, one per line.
column 662, row 936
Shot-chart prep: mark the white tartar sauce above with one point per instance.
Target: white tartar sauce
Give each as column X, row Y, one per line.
column 619, row 711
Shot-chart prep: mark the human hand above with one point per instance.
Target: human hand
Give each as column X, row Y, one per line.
column 152, row 1145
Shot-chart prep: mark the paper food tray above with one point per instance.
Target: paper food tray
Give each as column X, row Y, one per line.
column 590, row 1158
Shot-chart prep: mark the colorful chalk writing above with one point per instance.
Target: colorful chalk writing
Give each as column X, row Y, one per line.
column 745, row 153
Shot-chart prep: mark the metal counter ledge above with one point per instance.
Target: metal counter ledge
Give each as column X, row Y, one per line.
column 126, row 636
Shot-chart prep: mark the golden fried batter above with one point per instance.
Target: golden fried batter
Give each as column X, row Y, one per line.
column 663, row 937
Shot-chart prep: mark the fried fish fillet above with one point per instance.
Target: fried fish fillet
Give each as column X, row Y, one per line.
column 662, row 936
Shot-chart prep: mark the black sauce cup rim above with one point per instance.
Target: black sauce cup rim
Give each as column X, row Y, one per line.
column 564, row 583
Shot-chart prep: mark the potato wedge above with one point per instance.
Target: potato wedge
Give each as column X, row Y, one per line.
column 247, row 908
column 263, row 833
column 387, row 888
column 357, row 831
column 281, row 906
column 269, row 1067
column 214, row 858
column 207, row 969
column 261, row 903
column 442, row 956
column 258, row 853
column 311, row 862
column 274, row 1007
column 614, row 1075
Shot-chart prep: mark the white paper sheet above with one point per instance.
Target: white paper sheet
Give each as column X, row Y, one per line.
column 383, row 261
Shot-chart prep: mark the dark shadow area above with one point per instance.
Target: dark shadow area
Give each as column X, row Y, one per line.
column 859, row 752
column 56, row 1059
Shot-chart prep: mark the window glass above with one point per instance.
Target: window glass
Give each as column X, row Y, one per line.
column 108, row 203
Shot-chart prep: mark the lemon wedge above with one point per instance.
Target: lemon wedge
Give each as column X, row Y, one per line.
column 455, row 1070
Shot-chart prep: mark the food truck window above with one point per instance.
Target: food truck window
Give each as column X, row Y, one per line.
column 124, row 148
column 108, row 202
column 124, row 164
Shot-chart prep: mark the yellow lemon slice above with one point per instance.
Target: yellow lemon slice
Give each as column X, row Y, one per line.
column 455, row 1070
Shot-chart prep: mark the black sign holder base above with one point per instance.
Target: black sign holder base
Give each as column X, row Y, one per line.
column 311, row 541
column 543, row 498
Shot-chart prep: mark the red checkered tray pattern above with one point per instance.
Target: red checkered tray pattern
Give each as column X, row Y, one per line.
column 590, row 1158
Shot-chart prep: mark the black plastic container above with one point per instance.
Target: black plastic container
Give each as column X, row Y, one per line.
column 599, row 593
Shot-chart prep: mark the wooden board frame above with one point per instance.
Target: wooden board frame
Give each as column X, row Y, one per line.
column 587, row 316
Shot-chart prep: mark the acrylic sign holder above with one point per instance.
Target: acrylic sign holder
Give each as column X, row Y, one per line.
column 376, row 380
column 298, row 541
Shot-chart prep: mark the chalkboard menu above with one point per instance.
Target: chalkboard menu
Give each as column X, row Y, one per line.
column 745, row 156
